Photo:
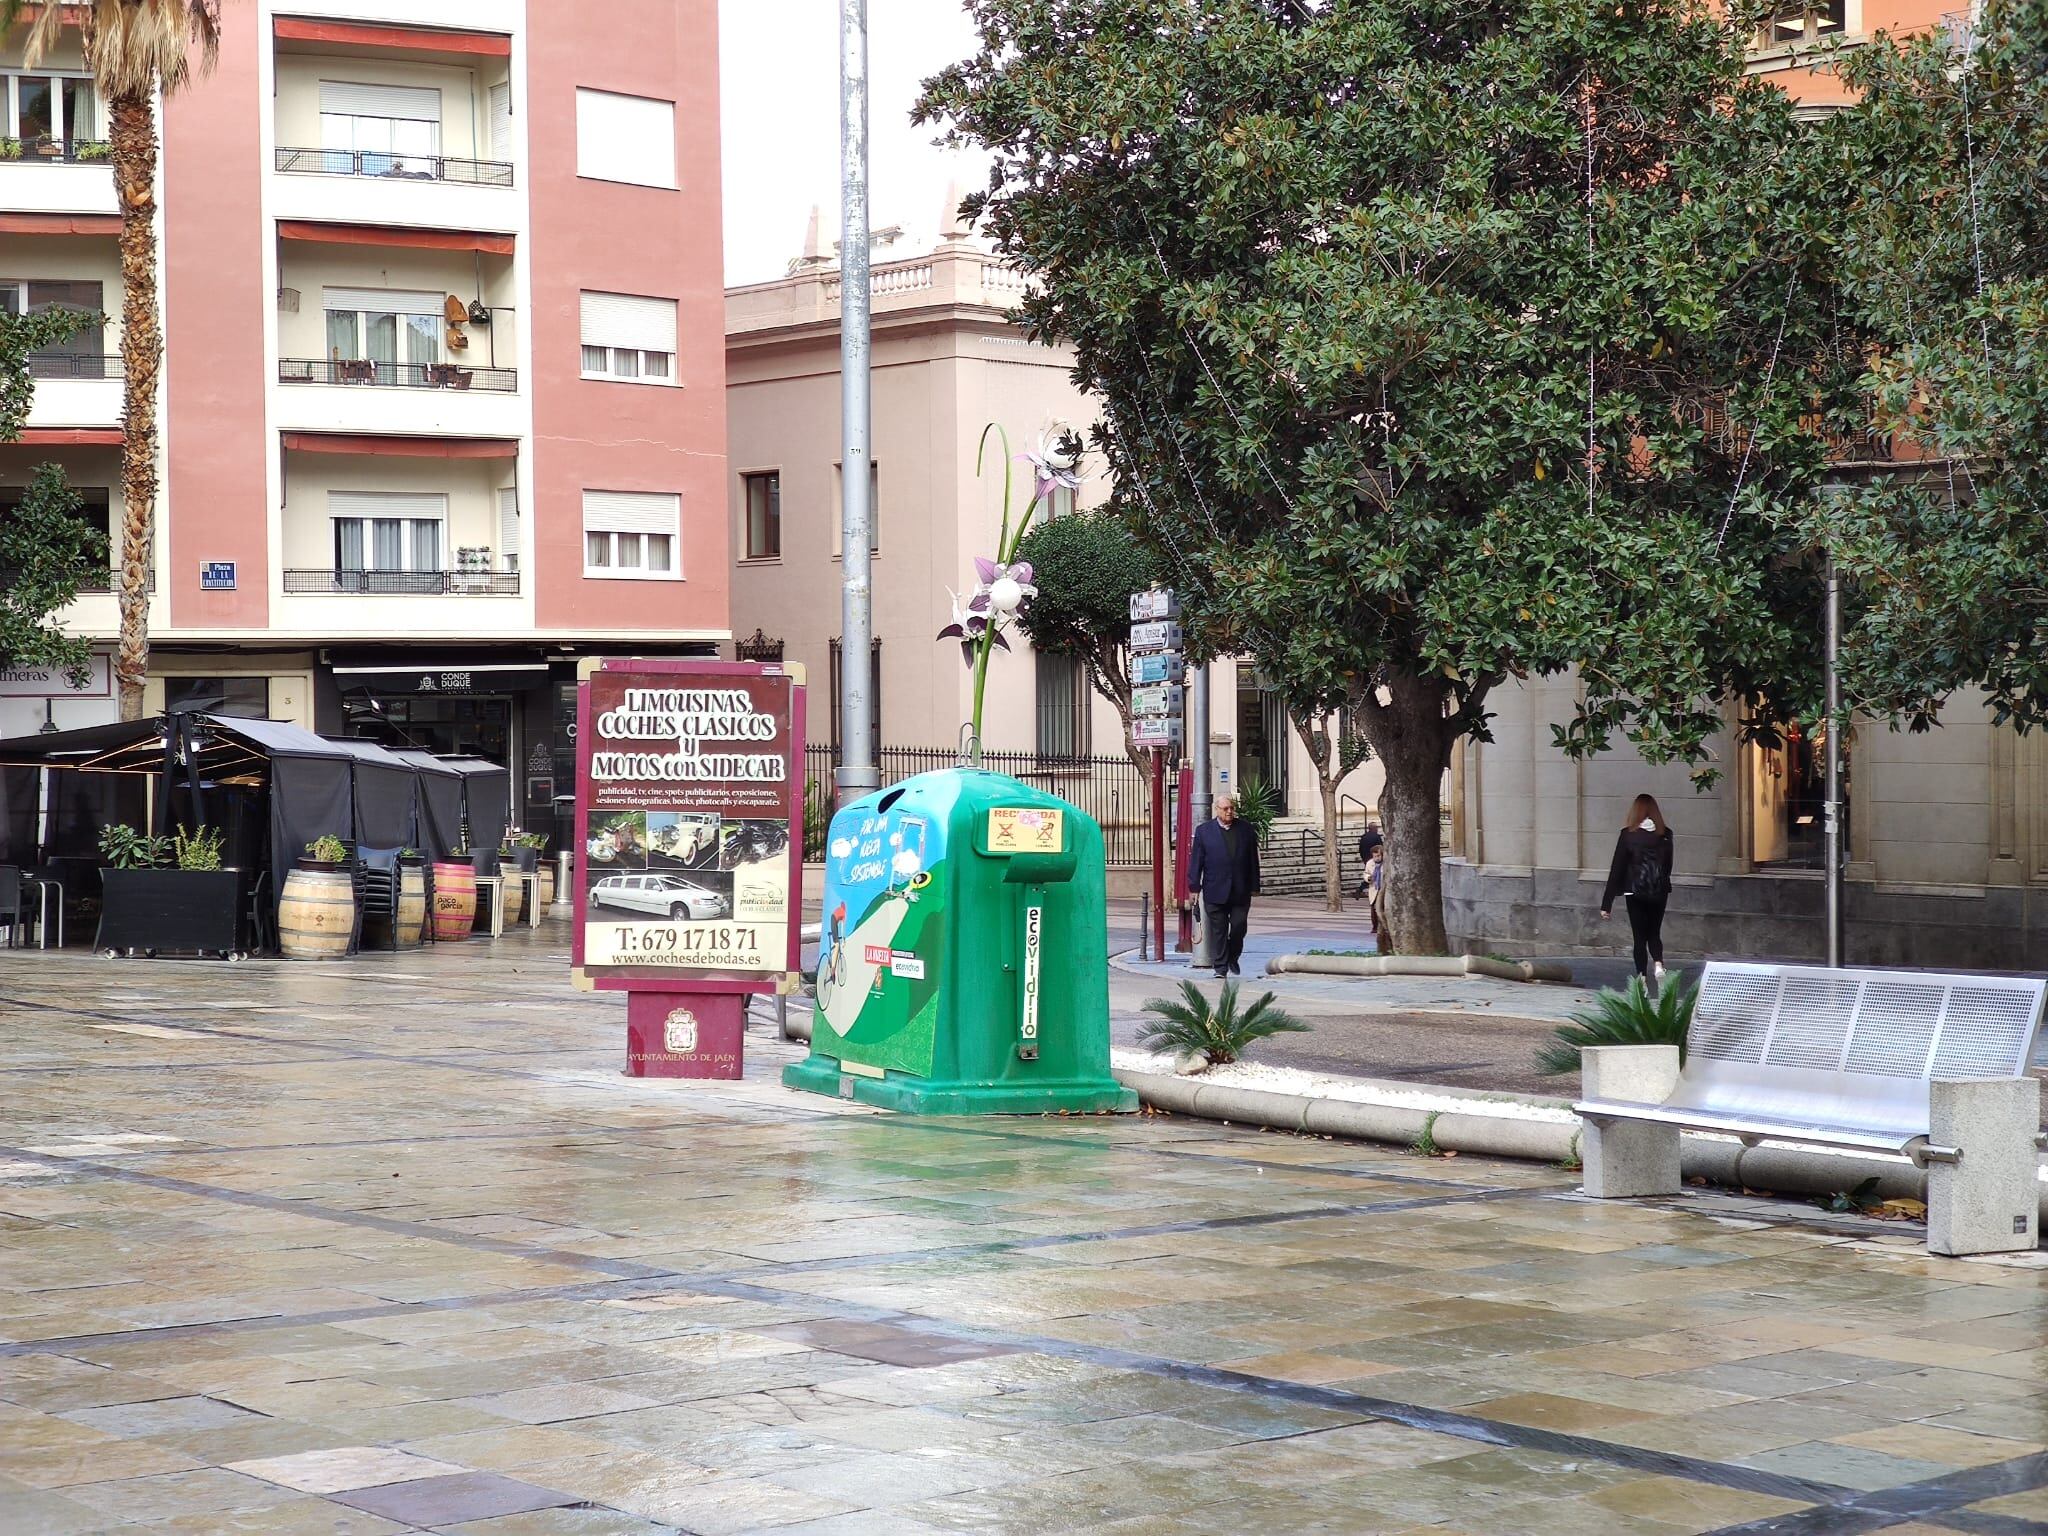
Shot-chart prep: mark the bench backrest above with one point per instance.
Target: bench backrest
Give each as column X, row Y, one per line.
column 1851, row 1048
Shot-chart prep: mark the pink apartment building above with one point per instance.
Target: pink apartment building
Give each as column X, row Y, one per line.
column 443, row 405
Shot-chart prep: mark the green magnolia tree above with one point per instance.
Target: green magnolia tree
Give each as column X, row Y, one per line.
column 1440, row 343
column 1946, row 255
column 47, row 549
column 1087, row 566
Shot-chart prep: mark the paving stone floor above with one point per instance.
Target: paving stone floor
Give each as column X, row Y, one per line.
column 392, row 1246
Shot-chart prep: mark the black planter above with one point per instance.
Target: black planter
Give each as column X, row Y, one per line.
column 320, row 866
column 185, row 910
column 525, row 860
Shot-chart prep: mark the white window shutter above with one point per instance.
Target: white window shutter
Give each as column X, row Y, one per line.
column 383, row 301
column 508, row 527
column 387, row 504
column 501, row 122
column 630, row 512
column 626, row 320
column 625, row 138
column 358, row 100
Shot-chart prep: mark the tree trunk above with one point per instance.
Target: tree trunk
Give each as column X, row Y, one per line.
column 133, row 153
column 1333, row 861
column 1409, row 734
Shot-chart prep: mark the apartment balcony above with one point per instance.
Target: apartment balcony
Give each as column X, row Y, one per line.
column 408, row 125
column 75, row 391
column 56, row 176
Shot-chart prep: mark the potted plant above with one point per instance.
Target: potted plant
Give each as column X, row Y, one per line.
column 316, row 917
column 10, row 149
column 168, row 893
column 91, row 150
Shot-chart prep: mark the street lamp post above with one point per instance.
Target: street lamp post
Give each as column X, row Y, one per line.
column 857, row 773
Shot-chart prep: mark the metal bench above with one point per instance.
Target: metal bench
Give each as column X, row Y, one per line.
column 1901, row 1063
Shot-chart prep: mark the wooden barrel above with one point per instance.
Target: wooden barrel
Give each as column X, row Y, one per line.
column 547, row 886
column 317, row 914
column 514, row 889
column 412, row 905
column 454, row 901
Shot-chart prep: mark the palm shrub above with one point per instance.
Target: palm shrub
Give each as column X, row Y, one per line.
column 1258, row 805
column 1219, row 1032
column 1635, row 1016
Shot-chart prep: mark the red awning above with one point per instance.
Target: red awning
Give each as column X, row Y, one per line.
column 62, row 437
column 392, row 234
column 356, row 34
column 60, row 224
column 399, row 447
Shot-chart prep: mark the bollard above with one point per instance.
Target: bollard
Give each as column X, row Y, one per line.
column 1144, row 925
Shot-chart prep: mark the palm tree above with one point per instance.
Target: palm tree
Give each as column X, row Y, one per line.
column 134, row 48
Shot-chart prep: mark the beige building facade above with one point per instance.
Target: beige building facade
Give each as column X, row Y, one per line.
column 948, row 359
column 1947, row 841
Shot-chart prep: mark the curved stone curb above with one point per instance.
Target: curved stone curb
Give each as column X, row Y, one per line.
column 1417, row 965
column 1484, row 1133
column 1784, row 1170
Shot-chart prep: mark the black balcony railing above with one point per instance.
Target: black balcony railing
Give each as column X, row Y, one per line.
column 47, row 151
column 86, row 366
column 404, row 583
column 98, row 581
column 351, row 370
column 362, row 162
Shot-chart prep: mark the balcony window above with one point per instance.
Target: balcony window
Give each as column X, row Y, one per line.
column 94, row 510
column 79, row 356
column 383, row 330
column 631, row 534
column 379, row 130
column 764, row 515
column 48, row 116
column 387, row 534
column 628, row 337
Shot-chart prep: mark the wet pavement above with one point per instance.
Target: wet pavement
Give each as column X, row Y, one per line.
column 390, row 1245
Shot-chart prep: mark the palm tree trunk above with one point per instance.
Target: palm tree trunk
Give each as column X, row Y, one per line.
column 134, row 151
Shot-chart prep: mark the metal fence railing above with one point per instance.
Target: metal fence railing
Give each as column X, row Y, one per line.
column 69, row 365
column 363, row 162
column 1110, row 790
column 354, row 370
column 44, row 150
column 405, row 583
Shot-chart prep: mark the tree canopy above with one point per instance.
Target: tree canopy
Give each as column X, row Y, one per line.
column 1946, row 259
column 1438, row 343
column 1087, row 566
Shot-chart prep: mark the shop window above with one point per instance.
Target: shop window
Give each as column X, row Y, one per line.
column 248, row 697
column 1788, row 799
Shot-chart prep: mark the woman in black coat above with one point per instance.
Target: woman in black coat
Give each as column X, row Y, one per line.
column 1642, row 872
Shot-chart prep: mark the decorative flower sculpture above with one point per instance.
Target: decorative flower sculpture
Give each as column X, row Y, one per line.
column 1004, row 584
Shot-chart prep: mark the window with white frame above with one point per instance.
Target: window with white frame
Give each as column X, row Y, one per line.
column 47, row 113
column 379, row 130
column 625, row 138
column 632, row 535
column 387, row 330
column 388, row 531
column 629, row 337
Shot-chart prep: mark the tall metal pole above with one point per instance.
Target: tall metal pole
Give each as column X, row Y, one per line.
column 858, row 772
column 1832, row 818
column 1203, row 953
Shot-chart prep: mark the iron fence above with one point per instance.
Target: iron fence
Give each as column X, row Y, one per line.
column 1110, row 790
column 74, row 365
column 45, row 150
column 352, row 370
column 363, row 162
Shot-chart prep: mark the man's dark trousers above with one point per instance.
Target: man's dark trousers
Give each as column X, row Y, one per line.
column 1226, row 931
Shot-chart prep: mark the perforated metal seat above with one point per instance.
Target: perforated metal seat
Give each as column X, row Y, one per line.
column 1838, row 1058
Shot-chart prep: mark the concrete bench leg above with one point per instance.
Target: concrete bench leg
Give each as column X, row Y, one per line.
column 1989, row 1201
column 1626, row 1159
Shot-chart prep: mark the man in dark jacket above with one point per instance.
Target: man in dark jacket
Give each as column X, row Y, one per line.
column 1223, row 866
column 1368, row 840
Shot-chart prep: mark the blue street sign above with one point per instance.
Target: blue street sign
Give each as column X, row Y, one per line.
column 217, row 576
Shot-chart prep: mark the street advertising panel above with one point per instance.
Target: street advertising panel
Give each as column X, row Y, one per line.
column 689, row 825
